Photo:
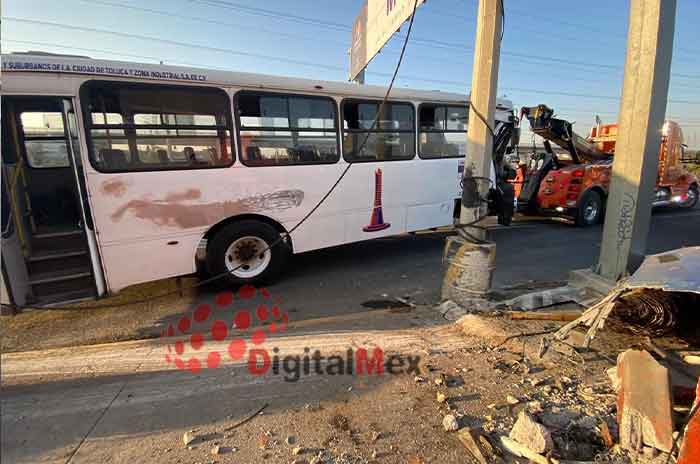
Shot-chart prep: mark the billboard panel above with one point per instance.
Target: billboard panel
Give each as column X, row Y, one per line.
column 377, row 22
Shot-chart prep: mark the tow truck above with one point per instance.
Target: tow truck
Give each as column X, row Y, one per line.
column 575, row 185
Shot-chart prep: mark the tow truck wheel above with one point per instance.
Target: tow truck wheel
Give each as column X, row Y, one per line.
column 590, row 209
column 692, row 199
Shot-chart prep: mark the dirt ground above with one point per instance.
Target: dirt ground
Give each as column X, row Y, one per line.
column 399, row 420
column 55, row 328
column 387, row 419
column 486, row 378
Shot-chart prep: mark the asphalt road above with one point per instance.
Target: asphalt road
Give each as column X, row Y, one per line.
column 341, row 279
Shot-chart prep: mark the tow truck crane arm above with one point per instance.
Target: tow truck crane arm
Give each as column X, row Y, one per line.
column 560, row 132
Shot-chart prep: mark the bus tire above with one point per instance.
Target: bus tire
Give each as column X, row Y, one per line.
column 590, row 210
column 247, row 252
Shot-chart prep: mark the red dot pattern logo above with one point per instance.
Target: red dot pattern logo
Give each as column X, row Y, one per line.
column 188, row 351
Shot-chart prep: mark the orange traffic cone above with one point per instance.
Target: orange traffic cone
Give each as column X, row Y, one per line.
column 377, row 223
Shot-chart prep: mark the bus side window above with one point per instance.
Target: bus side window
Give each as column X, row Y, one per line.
column 146, row 127
column 391, row 138
column 280, row 129
column 442, row 131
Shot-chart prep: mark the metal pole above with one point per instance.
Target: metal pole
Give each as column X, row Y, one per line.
column 478, row 161
column 642, row 110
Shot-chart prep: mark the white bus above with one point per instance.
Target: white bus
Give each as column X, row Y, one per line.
column 116, row 173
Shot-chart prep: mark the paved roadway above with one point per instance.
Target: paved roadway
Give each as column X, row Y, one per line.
column 341, row 279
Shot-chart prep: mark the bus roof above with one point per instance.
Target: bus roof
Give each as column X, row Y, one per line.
column 70, row 64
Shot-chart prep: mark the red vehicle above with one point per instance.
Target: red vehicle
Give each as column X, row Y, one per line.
column 575, row 185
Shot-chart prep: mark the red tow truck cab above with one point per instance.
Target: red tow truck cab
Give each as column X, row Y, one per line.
column 578, row 188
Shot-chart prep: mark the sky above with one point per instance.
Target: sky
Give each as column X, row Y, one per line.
column 567, row 54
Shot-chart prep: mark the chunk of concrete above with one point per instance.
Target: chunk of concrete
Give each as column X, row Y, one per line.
column 469, row 438
column 531, row 434
column 450, row 423
column 644, row 405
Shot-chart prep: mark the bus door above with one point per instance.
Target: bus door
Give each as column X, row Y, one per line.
column 46, row 242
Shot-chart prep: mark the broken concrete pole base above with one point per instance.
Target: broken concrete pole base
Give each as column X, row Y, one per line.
column 644, row 404
column 453, row 311
column 469, row 272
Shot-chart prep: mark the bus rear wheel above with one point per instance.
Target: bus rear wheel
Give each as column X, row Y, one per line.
column 247, row 252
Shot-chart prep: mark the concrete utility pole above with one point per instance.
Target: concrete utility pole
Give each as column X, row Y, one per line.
column 478, row 162
column 642, row 111
column 468, row 276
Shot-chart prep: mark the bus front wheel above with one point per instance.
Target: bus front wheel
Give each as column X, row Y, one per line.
column 247, row 252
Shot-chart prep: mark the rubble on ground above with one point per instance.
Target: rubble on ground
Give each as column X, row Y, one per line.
column 637, row 412
column 558, row 419
column 530, row 433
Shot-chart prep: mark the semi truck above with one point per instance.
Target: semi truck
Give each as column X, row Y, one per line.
column 575, row 184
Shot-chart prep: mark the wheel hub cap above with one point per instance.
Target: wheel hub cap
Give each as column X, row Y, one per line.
column 247, row 257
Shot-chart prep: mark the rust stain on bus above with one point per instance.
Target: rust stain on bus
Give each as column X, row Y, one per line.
column 114, row 187
column 191, row 194
column 174, row 212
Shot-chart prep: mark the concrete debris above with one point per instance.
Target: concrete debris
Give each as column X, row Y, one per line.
column 220, row 450
column 649, row 452
column 649, row 301
column 450, row 423
column 531, row 434
column 188, row 438
column 559, row 420
column 644, row 406
column 441, row 397
column 470, row 439
column 545, row 298
column 451, row 310
column 534, row 407
column 516, row 449
column 511, row 400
